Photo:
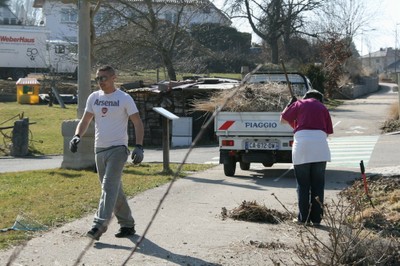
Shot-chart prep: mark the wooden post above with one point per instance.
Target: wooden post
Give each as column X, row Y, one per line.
column 165, row 141
column 166, row 117
column 20, row 138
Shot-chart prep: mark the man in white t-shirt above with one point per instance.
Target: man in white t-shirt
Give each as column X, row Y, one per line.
column 111, row 110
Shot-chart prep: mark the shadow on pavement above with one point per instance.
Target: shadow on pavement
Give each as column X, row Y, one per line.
column 224, row 182
column 260, row 179
column 147, row 247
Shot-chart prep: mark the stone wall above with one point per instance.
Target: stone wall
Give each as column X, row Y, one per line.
column 366, row 86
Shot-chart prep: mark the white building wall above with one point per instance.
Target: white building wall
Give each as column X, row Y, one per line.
column 52, row 18
column 378, row 62
column 61, row 30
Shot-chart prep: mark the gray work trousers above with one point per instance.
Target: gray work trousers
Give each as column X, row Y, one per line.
column 110, row 163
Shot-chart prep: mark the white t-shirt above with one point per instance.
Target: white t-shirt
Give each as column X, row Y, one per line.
column 111, row 115
column 310, row 146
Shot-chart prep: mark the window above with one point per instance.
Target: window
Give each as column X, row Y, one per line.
column 60, row 49
column 171, row 17
column 68, row 15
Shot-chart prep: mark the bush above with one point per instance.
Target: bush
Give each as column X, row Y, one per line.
column 316, row 76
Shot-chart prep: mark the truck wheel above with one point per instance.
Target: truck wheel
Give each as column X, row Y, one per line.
column 230, row 166
column 244, row 166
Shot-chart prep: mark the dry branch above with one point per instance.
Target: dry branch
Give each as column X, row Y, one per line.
column 266, row 97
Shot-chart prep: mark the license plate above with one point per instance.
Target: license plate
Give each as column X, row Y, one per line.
column 261, row 145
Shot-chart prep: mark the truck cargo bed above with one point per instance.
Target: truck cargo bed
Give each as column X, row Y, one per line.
column 250, row 124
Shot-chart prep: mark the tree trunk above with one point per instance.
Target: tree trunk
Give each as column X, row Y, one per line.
column 274, row 52
column 169, row 65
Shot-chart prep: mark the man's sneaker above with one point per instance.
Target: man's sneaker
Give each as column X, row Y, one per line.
column 94, row 233
column 125, row 231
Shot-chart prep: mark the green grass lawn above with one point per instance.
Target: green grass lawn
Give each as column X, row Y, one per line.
column 55, row 197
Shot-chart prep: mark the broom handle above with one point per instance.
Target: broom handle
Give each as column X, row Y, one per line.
column 287, row 79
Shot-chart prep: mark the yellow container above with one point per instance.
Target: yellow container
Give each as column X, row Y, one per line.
column 28, row 91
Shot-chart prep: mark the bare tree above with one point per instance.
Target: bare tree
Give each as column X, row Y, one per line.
column 336, row 24
column 273, row 20
column 334, row 52
column 93, row 11
column 343, row 18
column 158, row 26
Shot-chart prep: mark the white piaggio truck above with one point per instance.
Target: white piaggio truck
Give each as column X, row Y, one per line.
column 257, row 137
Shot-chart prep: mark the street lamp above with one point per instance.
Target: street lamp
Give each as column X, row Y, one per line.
column 395, row 55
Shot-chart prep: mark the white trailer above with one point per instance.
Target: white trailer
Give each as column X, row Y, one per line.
column 257, row 137
column 26, row 49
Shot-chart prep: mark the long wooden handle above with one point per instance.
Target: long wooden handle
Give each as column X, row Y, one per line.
column 287, row 79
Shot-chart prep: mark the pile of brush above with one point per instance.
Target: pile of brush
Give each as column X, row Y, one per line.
column 265, row 97
column 251, row 211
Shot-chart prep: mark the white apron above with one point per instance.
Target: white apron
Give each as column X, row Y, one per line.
column 310, row 146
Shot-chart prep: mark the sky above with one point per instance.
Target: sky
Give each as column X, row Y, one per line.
column 380, row 32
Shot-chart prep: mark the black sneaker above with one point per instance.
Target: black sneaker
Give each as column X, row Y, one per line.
column 317, row 224
column 94, row 233
column 125, row 231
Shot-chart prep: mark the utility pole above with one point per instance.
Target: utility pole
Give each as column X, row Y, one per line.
column 395, row 64
column 395, row 53
column 362, row 46
column 84, row 158
column 84, row 55
column 362, row 37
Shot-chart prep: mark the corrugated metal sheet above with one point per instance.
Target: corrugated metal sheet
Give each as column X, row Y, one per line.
column 27, row 81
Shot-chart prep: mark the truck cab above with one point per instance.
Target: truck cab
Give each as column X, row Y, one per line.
column 300, row 84
column 62, row 57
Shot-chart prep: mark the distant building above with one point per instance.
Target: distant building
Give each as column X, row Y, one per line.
column 60, row 17
column 7, row 17
column 386, row 60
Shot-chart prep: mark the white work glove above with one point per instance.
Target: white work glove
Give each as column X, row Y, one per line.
column 73, row 144
column 137, row 154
